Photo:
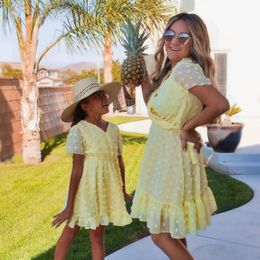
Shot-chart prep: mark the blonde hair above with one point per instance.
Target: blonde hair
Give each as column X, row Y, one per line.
column 200, row 52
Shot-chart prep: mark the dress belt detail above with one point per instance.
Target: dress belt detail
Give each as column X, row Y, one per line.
column 101, row 156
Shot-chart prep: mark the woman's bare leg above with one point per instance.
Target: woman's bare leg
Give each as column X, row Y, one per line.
column 64, row 242
column 97, row 243
column 173, row 248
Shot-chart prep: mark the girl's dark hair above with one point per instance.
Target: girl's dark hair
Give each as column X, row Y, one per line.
column 79, row 114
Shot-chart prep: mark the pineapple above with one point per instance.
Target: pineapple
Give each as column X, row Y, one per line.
column 132, row 70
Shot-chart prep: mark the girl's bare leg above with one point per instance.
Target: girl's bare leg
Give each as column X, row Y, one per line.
column 64, row 242
column 97, row 243
column 173, row 248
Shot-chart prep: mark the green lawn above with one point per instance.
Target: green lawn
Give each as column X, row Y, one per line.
column 124, row 119
column 31, row 194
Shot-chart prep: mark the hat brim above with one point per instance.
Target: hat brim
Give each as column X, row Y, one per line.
column 111, row 88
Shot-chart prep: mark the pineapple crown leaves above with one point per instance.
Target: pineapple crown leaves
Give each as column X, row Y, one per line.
column 133, row 40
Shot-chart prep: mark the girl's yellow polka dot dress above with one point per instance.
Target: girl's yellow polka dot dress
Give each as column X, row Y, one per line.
column 172, row 195
column 99, row 199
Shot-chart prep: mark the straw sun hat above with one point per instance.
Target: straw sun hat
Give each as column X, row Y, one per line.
column 83, row 89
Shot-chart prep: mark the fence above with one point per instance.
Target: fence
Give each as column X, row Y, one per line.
column 51, row 102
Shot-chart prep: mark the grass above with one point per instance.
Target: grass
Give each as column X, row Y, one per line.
column 31, row 194
column 229, row 192
column 124, row 119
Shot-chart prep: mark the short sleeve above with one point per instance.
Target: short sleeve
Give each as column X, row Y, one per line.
column 190, row 74
column 75, row 142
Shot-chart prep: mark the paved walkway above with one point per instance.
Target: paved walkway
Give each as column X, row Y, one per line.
column 233, row 235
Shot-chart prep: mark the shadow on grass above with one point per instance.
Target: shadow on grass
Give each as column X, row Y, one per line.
column 115, row 238
column 52, row 143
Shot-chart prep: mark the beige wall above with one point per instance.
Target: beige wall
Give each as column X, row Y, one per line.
column 52, row 101
column 229, row 22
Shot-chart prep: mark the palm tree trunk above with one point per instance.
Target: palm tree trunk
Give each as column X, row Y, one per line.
column 30, row 116
column 107, row 57
column 30, row 121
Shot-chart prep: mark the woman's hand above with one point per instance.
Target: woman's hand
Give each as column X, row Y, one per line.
column 65, row 215
column 191, row 136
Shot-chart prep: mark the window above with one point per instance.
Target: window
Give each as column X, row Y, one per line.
column 220, row 60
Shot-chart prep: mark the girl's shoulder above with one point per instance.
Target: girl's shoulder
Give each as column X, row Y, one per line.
column 74, row 129
column 77, row 127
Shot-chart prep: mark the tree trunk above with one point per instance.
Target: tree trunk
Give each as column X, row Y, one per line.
column 107, row 56
column 30, row 116
column 30, row 121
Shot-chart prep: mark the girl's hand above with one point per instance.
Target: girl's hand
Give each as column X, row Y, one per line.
column 128, row 196
column 65, row 215
column 191, row 136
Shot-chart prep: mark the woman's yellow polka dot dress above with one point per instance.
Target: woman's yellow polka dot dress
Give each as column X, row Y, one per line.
column 172, row 194
column 99, row 199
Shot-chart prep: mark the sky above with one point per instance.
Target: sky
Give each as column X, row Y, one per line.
column 59, row 56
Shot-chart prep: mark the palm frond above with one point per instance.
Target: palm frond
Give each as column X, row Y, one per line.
column 154, row 13
column 8, row 12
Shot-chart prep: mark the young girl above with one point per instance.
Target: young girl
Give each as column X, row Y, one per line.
column 96, row 190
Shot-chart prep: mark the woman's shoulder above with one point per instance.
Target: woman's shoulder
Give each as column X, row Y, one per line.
column 187, row 65
column 189, row 73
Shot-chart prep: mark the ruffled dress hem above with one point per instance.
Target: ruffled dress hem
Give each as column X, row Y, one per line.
column 90, row 222
column 178, row 220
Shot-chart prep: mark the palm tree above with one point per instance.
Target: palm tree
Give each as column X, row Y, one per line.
column 153, row 13
column 84, row 22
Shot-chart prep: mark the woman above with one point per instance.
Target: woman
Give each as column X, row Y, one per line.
column 172, row 195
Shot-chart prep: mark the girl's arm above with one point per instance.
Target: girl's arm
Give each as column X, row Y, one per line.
column 215, row 105
column 122, row 171
column 77, row 169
